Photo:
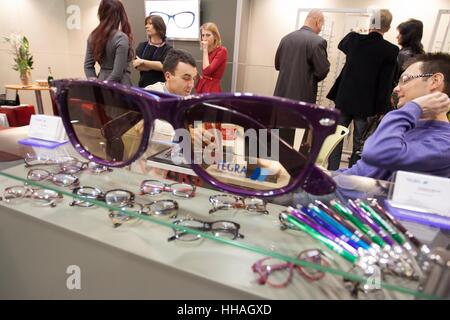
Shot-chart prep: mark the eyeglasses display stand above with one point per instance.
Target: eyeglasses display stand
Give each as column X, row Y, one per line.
column 73, row 252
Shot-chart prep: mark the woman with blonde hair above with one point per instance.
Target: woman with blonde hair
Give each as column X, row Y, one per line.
column 214, row 59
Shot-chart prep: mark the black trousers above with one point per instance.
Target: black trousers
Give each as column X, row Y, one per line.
column 359, row 125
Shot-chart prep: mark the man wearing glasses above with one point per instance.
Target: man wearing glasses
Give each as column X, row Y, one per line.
column 416, row 137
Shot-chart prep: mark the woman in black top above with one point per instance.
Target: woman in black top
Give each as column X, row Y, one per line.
column 151, row 54
column 409, row 38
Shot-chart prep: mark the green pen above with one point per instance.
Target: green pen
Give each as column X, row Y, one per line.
column 330, row 244
column 381, row 222
column 343, row 211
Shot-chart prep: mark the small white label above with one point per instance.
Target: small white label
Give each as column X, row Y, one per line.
column 421, row 192
column 46, row 127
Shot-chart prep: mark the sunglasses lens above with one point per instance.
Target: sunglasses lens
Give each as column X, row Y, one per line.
column 250, row 150
column 107, row 123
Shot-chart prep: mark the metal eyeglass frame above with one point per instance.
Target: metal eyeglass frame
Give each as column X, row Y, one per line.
column 99, row 195
column 205, row 227
column 252, row 110
column 238, row 203
column 161, row 187
column 45, row 197
column 407, row 77
column 58, row 179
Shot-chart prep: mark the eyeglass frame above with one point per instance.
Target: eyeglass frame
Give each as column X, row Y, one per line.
column 100, row 197
column 264, row 271
column 166, row 187
column 402, row 82
column 178, row 234
column 51, row 202
column 51, row 177
column 172, row 16
column 172, row 108
column 237, row 200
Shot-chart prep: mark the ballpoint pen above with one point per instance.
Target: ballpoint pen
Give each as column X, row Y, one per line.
column 364, row 216
column 345, row 223
column 324, row 216
column 347, row 214
column 316, row 235
column 378, row 219
column 315, row 218
column 376, row 206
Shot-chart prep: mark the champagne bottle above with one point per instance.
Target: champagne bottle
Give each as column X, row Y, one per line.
column 50, row 77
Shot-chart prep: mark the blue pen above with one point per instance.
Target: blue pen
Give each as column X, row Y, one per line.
column 325, row 217
column 312, row 215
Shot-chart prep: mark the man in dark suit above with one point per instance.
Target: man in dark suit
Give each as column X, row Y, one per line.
column 302, row 61
column 366, row 81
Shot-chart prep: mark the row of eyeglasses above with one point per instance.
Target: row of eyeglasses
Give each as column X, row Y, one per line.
column 363, row 233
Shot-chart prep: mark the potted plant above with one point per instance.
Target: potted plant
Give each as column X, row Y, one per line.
column 20, row 49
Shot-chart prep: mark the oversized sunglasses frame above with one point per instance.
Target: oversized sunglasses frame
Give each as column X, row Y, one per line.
column 173, row 109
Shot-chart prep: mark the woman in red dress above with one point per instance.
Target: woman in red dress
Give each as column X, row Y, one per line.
column 214, row 59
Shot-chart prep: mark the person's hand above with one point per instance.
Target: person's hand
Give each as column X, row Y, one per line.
column 433, row 104
column 204, row 45
column 137, row 62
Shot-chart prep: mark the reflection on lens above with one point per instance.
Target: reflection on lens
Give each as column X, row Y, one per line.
column 96, row 167
column 152, row 187
column 224, row 201
column 224, row 229
column 255, row 204
column 38, row 174
column 15, row 192
column 163, row 207
column 185, row 235
column 107, row 123
column 249, row 151
column 45, row 197
column 182, row 189
column 65, row 180
column 118, row 197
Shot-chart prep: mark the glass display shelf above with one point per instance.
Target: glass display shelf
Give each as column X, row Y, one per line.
column 212, row 257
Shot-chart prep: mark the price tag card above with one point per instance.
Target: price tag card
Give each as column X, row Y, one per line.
column 421, row 192
column 46, row 127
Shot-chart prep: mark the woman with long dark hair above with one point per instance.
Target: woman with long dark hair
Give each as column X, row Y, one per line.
column 150, row 54
column 409, row 38
column 110, row 44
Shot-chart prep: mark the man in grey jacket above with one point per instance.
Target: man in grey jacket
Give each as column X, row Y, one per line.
column 302, row 60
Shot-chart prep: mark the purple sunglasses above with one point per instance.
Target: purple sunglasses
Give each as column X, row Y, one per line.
column 102, row 121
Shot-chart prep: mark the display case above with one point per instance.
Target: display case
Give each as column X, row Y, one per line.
column 125, row 253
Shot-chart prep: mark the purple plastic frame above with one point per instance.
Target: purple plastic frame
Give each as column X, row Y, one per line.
column 171, row 108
